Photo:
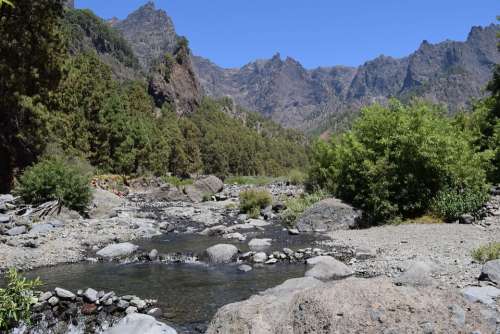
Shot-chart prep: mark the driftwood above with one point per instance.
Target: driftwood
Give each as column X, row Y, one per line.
column 43, row 210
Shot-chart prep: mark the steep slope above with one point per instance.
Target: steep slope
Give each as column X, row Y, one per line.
column 449, row 72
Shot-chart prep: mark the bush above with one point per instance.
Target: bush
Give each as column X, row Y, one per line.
column 249, row 180
column 253, row 200
column 16, row 300
column 56, row 179
column 400, row 162
column 296, row 177
column 177, row 181
column 297, row 205
column 487, row 253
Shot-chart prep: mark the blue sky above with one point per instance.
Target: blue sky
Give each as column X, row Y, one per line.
column 315, row 32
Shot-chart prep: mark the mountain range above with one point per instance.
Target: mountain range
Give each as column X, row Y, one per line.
column 450, row 72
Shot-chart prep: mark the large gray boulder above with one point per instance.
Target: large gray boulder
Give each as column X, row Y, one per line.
column 418, row 273
column 117, row 250
column 104, row 204
column 259, row 245
column 135, row 323
column 482, row 294
column 491, row 272
column 222, row 253
column 327, row 268
column 353, row 305
column 203, row 188
column 328, row 215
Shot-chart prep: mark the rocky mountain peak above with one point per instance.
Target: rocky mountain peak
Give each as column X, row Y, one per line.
column 150, row 32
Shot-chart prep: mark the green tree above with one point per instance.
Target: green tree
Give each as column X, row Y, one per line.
column 31, row 52
column 397, row 161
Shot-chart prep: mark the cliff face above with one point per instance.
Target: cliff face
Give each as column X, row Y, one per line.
column 449, row 72
column 150, row 32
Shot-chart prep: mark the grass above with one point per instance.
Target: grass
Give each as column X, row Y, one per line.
column 177, row 181
column 251, row 180
column 296, row 206
column 296, row 177
column 253, row 200
column 487, row 252
column 425, row 219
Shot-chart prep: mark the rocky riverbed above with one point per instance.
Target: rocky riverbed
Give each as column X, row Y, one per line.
column 170, row 245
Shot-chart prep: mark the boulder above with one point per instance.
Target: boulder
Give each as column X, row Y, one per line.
column 260, row 257
column 491, row 272
column 245, row 268
column 90, row 295
column 327, row 268
column 418, row 273
column 64, row 294
column 202, row 188
column 259, row 245
column 222, row 253
column 41, row 228
column 140, row 323
column 7, row 198
column 328, row 215
column 485, row 295
column 4, row 219
column 153, row 255
column 18, row 230
column 353, row 305
column 104, row 204
column 466, row 219
column 117, row 250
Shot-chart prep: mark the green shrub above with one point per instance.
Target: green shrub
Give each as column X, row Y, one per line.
column 297, row 205
column 451, row 203
column 56, row 179
column 296, row 177
column 400, row 162
column 177, row 181
column 16, row 300
column 487, row 252
column 253, row 200
column 250, row 180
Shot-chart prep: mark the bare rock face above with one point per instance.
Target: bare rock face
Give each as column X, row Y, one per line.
column 328, row 215
column 353, row 305
column 174, row 82
column 150, row 32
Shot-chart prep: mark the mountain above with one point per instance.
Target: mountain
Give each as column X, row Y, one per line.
column 150, row 32
column 449, row 72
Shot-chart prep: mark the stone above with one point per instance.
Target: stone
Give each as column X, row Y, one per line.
column 64, row 294
column 260, row 257
column 155, row 312
column 88, row 309
column 458, row 314
column 90, row 295
column 117, row 250
column 222, row 253
column 279, row 206
column 122, row 304
column 18, row 230
column 288, row 251
column 153, row 255
column 485, row 295
column 418, row 273
column 45, row 296
column 235, row 235
column 203, row 188
column 4, row 219
column 259, row 245
column 352, row 305
column 293, row 231
column 328, row 215
column 41, row 228
column 245, row 268
column 140, row 323
column 327, row 268
column 131, row 309
column 53, row 301
column 466, row 219
column 139, row 303
column 271, row 261
column 7, row 198
column 104, row 204
column 365, row 253
column 491, row 272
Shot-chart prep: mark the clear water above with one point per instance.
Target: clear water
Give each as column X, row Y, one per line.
column 188, row 294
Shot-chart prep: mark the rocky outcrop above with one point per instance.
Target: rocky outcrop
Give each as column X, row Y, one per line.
column 104, row 204
column 491, row 272
column 173, row 82
column 328, row 215
column 140, row 323
column 353, row 305
column 204, row 188
column 150, row 32
column 449, row 72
